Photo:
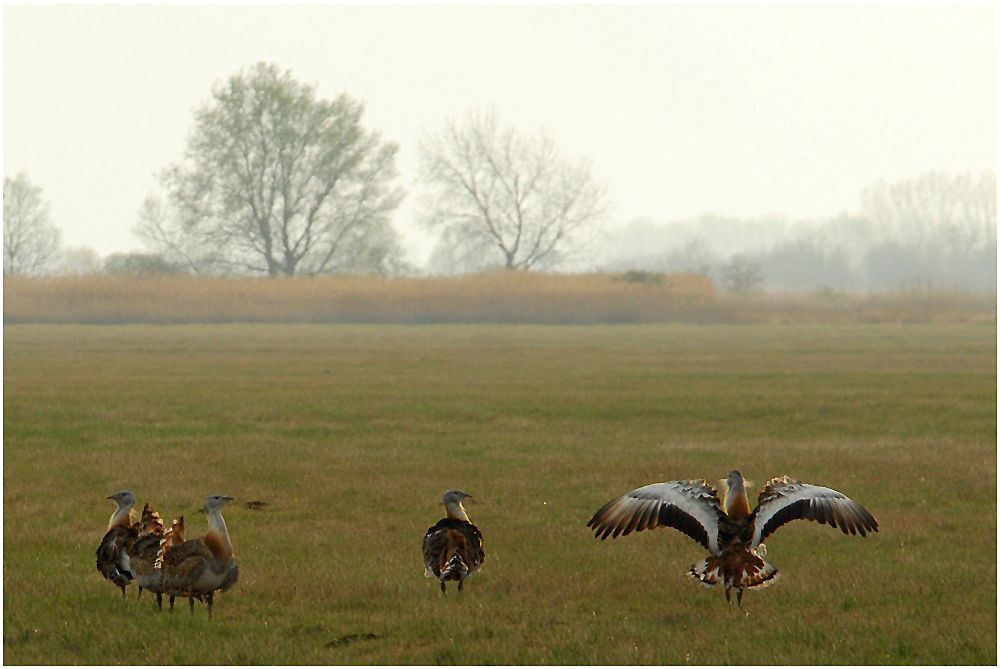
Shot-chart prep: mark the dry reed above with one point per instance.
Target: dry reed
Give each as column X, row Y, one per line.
column 483, row 298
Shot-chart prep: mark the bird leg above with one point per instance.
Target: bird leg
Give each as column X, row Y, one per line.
column 191, row 602
column 123, row 590
column 140, row 593
column 460, row 584
column 443, row 588
column 739, row 597
column 729, row 599
column 159, row 600
column 211, row 597
column 171, row 602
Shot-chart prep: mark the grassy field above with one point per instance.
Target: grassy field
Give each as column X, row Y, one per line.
column 350, row 434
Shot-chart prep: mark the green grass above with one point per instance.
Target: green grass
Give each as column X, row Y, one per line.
column 352, row 433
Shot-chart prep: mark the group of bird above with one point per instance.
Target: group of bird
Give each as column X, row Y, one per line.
column 161, row 561
column 165, row 564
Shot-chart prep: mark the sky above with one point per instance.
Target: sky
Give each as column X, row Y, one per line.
column 740, row 110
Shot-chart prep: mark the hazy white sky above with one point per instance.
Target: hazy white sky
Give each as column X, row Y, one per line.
column 735, row 109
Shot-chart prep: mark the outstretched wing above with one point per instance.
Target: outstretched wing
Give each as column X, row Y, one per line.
column 784, row 500
column 689, row 506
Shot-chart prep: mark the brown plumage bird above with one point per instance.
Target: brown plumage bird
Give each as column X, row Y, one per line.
column 198, row 568
column 453, row 548
column 112, row 554
column 172, row 538
column 732, row 534
column 144, row 552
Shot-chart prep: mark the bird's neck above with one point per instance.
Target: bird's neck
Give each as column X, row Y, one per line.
column 737, row 505
column 456, row 510
column 218, row 536
column 120, row 517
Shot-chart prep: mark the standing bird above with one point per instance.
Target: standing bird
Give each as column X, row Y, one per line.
column 171, row 538
column 144, row 552
column 731, row 533
column 112, row 554
column 197, row 568
column 454, row 547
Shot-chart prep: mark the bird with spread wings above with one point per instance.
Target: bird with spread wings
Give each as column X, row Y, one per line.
column 732, row 533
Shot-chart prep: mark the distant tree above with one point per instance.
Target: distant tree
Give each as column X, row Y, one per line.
column 933, row 230
column 741, row 275
column 934, row 208
column 30, row 239
column 139, row 264
column 278, row 182
column 807, row 263
column 500, row 198
column 77, row 261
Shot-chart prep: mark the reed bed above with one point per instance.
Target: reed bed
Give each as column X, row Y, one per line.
column 505, row 297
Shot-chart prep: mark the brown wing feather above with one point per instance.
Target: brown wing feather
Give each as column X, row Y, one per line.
column 116, row 544
column 145, row 551
column 474, row 555
column 143, row 557
column 183, row 563
column 150, row 522
column 449, row 536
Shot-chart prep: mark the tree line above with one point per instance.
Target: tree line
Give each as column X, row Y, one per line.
column 937, row 230
column 275, row 181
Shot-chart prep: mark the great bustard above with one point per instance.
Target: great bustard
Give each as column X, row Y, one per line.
column 453, row 548
column 112, row 553
column 733, row 535
column 198, row 568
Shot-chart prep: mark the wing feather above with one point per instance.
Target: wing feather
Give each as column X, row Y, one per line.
column 784, row 500
column 113, row 554
column 452, row 535
column 689, row 506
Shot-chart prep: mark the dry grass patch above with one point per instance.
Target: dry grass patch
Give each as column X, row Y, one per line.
column 506, row 297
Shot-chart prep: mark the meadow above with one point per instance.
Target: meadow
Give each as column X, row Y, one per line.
column 349, row 435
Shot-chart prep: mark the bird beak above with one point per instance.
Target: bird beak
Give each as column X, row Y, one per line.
column 229, row 499
column 111, row 496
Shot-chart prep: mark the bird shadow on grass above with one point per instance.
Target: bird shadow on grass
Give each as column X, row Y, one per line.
column 344, row 640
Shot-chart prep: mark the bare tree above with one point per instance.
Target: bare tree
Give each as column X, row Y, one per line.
column 502, row 199
column 742, row 275
column 936, row 208
column 933, row 230
column 278, row 182
column 30, row 240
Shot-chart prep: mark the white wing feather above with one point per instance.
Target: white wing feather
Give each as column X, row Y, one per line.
column 689, row 506
column 784, row 500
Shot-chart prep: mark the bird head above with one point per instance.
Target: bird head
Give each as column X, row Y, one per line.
column 215, row 502
column 455, row 496
column 453, row 503
column 123, row 499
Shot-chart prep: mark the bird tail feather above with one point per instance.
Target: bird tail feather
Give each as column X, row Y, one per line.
column 753, row 573
column 456, row 569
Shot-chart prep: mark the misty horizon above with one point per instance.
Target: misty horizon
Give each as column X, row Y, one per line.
column 746, row 113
